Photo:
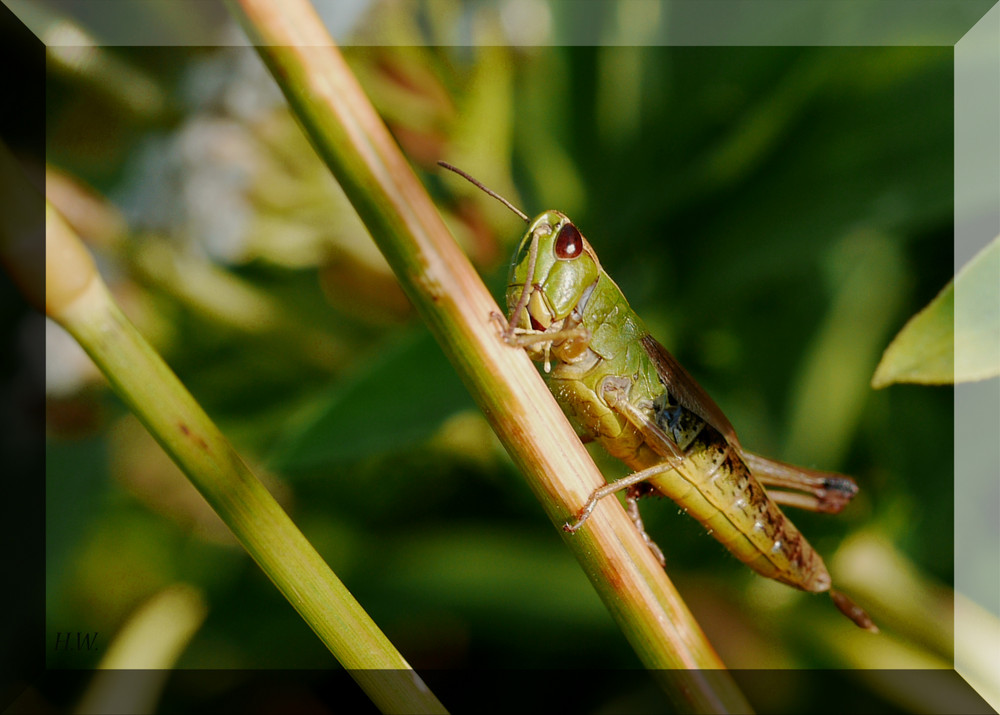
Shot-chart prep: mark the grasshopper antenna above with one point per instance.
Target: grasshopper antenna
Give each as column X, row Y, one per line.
column 476, row 183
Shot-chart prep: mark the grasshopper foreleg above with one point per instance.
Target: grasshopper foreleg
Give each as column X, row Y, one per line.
column 523, row 337
column 538, row 342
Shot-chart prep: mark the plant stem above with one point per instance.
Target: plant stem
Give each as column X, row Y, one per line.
column 444, row 287
column 78, row 299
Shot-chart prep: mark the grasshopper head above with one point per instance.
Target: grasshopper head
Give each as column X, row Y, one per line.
column 565, row 266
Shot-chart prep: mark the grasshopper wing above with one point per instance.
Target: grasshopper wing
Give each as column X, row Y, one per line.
column 824, row 491
column 687, row 391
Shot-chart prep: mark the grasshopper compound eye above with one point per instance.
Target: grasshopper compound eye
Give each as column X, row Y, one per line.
column 569, row 242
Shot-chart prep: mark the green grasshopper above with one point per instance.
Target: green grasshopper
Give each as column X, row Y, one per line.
column 618, row 386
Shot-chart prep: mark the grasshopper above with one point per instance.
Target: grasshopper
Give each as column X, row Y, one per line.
column 618, row 386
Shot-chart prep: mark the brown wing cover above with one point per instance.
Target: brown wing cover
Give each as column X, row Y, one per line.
column 688, row 393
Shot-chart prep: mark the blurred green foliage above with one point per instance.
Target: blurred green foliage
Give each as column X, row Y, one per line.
column 773, row 214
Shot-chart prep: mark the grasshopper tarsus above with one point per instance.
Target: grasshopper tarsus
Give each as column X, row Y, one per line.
column 505, row 329
column 843, row 485
column 500, row 320
column 571, row 527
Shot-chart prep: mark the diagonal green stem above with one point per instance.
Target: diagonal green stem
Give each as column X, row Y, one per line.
column 448, row 293
column 78, row 299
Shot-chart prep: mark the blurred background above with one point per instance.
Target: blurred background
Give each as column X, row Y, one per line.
column 774, row 214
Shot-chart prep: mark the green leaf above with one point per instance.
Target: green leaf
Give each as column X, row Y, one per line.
column 977, row 316
column 398, row 400
column 957, row 337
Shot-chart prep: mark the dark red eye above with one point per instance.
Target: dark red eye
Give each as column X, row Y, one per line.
column 569, row 242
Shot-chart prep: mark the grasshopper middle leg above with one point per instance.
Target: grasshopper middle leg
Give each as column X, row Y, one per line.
column 613, row 488
column 613, row 390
